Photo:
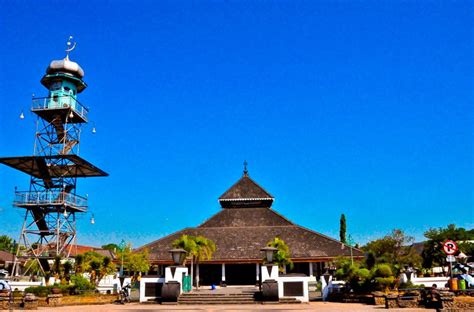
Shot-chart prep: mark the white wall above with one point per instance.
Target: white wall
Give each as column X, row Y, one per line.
column 146, row 279
column 303, row 279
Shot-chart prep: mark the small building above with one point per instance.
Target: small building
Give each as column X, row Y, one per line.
column 245, row 224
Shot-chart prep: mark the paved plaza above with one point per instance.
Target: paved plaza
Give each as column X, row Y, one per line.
column 313, row 306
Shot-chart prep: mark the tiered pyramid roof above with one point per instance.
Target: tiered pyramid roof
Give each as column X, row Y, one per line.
column 246, row 224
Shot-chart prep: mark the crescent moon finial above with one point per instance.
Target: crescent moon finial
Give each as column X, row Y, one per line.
column 69, row 47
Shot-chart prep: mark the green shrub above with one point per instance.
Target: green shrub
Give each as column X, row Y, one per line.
column 408, row 284
column 44, row 291
column 383, row 283
column 383, row 276
column 17, row 293
column 383, row 270
column 39, row 291
column 65, row 289
column 357, row 277
column 363, row 274
column 81, row 283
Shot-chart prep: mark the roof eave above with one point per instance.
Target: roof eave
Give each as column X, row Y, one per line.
column 245, row 199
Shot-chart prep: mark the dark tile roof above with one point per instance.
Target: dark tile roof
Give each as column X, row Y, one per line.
column 239, row 233
column 237, row 241
column 239, row 217
column 246, row 193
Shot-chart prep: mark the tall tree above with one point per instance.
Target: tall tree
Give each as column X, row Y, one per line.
column 205, row 248
column 136, row 262
column 187, row 243
column 342, row 229
column 282, row 256
column 198, row 247
column 6, row 243
column 111, row 247
column 394, row 249
column 61, row 270
column 96, row 265
column 79, row 264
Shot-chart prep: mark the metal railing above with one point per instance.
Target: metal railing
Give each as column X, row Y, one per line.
column 50, row 198
column 60, row 102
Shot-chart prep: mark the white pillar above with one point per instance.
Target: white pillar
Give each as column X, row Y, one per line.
column 223, row 272
column 258, row 272
column 311, row 269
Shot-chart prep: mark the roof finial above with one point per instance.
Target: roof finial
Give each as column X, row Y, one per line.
column 69, row 48
column 246, row 172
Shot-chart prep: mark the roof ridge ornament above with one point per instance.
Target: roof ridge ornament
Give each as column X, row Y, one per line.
column 69, row 48
column 246, row 172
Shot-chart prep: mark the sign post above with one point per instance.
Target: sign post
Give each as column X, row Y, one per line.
column 122, row 249
column 450, row 248
column 351, row 242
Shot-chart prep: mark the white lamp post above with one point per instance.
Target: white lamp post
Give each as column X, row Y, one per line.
column 178, row 255
column 269, row 253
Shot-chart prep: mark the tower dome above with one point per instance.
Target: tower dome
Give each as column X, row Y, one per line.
column 65, row 66
column 64, row 73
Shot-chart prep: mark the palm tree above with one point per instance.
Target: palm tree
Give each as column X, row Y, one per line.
column 33, row 267
column 199, row 248
column 283, row 255
column 204, row 250
column 187, row 243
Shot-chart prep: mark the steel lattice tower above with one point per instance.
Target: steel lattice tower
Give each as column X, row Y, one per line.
column 51, row 203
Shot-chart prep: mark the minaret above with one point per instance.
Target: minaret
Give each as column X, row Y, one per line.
column 51, row 203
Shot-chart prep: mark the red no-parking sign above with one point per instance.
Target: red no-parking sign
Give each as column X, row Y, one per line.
column 450, row 247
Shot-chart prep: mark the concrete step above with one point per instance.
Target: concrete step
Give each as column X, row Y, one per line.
column 215, row 299
column 219, row 296
column 220, row 300
column 217, row 302
column 216, row 296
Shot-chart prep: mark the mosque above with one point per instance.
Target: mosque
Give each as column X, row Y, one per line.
column 245, row 224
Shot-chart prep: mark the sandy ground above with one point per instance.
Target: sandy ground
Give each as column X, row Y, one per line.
column 313, row 306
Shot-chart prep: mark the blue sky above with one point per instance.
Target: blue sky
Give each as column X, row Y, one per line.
column 355, row 107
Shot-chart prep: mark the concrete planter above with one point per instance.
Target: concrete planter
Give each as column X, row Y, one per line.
column 54, row 300
column 4, row 301
column 379, row 298
column 391, row 302
column 408, row 302
column 30, row 302
column 88, row 299
column 60, row 300
column 448, row 302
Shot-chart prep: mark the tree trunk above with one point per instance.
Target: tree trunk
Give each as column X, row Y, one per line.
column 197, row 275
